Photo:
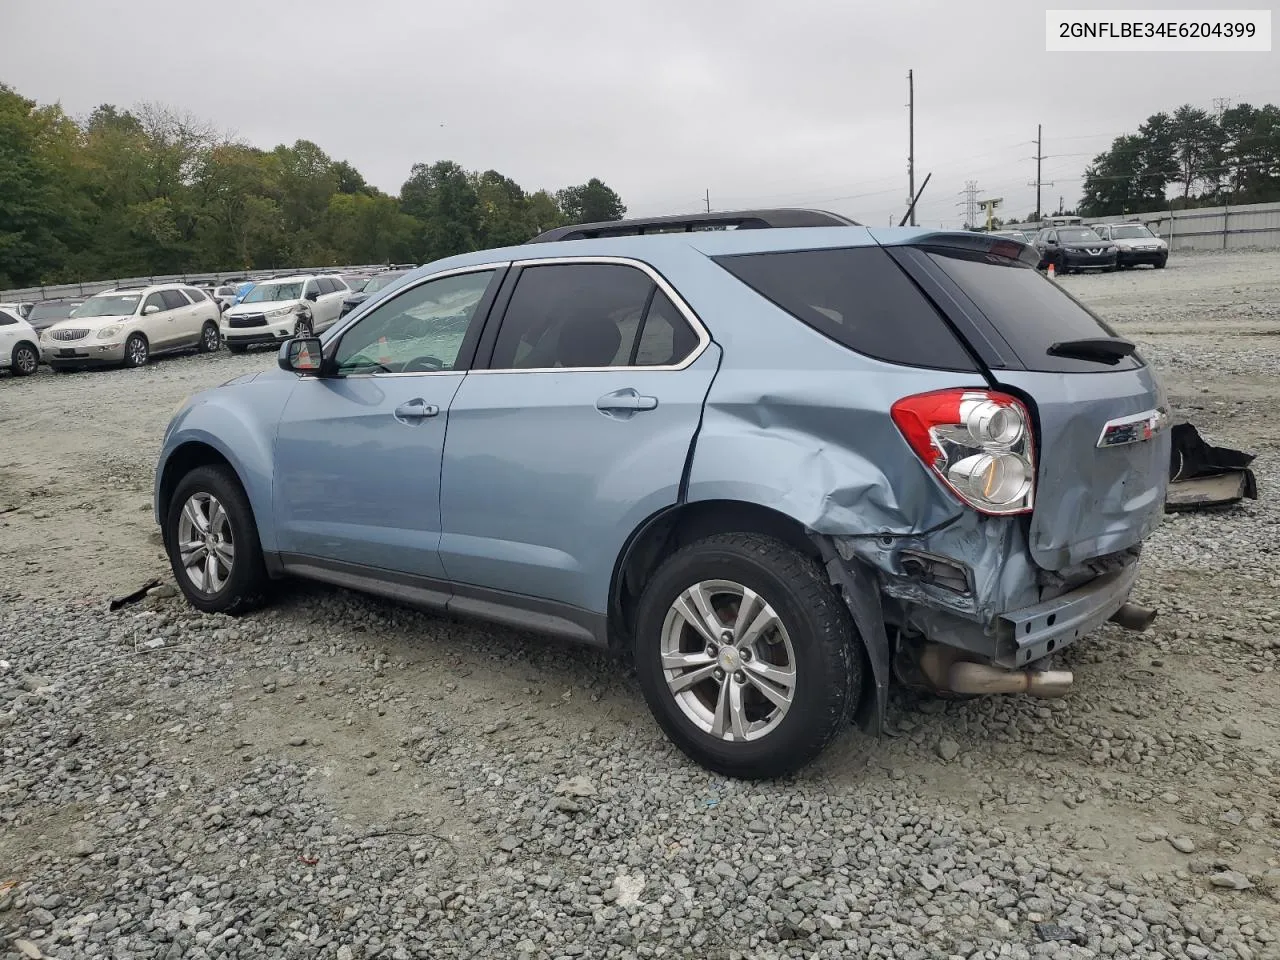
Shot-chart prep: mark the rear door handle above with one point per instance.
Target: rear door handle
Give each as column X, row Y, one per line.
column 625, row 401
column 413, row 411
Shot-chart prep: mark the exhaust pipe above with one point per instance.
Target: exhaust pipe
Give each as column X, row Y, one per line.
column 946, row 671
column 1133, row 617
column 978, row 678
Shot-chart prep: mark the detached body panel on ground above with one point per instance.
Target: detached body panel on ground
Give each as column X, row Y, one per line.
column 784, row 465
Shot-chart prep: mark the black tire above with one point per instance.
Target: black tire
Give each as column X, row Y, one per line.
column 237, row 347
column 25, row 359
column 828, row 657
column 1062, row 268
column 1160, row 264
column 137, row 351
column 210, row 338
column 303, row 329
column 246, row 584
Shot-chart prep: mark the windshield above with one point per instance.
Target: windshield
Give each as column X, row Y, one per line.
column 108, row 305
column 271, row 292
column 45, row 311
column 1135, row 232
column 1077, row 235
column 380, row 282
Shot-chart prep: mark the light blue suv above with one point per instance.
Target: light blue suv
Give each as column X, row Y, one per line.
column 782, row 459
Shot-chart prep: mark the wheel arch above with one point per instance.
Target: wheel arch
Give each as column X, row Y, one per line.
column 185, row 458
column 664, row 532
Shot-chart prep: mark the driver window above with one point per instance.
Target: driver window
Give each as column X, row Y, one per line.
column 419, row 331
column 154, row 300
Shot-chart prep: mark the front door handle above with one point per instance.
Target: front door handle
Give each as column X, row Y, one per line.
column 416, row 410
column 625, row 402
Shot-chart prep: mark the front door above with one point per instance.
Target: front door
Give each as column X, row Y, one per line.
column 578, row 430
column 357, row 478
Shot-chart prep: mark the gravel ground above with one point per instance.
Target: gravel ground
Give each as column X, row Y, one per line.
column 339, row 777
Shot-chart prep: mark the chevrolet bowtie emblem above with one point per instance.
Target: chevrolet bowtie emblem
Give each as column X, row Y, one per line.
column 1133, row 429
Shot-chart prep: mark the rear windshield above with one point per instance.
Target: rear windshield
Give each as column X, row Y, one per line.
column 859, row 298
column 1031, row 312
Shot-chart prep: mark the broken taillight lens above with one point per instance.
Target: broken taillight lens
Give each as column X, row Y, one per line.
column 978, row 442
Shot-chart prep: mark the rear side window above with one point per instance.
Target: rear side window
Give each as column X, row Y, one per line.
column 587, row 315
column 858, row 297
column 7, row 319
column 173, row 299
column 193, row 294
column 1031, row 312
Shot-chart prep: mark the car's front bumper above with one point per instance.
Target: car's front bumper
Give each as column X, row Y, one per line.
column 249, row 336
column 1086, row 261
column 78, row 353
column 1152, row 256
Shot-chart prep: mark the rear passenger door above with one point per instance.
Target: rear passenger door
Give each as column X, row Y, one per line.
column 574, row 428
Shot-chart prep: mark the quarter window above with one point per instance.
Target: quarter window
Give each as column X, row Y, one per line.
column 6, row 319
column 590, row 315
column 419, row 331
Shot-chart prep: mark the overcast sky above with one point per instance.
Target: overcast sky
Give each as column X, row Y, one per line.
column 795, row 102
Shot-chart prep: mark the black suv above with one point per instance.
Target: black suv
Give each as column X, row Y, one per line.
column 1074, row 248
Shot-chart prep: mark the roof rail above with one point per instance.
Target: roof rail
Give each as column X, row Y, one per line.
column 729, row 219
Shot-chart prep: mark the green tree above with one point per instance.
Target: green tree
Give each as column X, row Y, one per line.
column 591, row 202
column 1197, row 145
column 443, row 200
column 34, row 211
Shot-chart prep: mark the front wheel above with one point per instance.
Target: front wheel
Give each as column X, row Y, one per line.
column 25, row 360
column 302, row 328
column 136, row 351
column 212, row 542
column 210, row 338
column 1160, row 264
column 746, row 655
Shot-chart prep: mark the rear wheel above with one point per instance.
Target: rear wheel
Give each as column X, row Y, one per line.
column 25, row 360
column 210, row 338
column 212, row 541
column 746, row 655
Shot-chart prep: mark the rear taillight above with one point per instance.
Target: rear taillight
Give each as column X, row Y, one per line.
column 978, row 442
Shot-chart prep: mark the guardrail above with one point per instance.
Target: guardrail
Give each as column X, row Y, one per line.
column 90, row 287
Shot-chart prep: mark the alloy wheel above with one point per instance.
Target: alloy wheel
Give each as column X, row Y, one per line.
column 728, row 660
column 138, row 352
column 211, row 338
column 205, row 542
column 25, row 359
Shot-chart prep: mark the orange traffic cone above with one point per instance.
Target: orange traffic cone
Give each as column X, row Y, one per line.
column 1052, row 273
column 384, row 356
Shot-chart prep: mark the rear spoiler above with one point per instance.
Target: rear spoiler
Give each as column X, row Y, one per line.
column 979, row 244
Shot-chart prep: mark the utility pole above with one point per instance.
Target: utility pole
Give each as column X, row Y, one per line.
column 911, row 142
column 708, row 199
column 1039, row 157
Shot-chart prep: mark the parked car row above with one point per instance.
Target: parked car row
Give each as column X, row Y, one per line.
column 127, row 325
column 1102, row 246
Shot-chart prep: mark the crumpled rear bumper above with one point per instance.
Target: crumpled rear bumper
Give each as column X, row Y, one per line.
column 1003, row 609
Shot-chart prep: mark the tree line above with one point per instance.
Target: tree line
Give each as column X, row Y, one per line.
column 1202, row 159
column 153, row 191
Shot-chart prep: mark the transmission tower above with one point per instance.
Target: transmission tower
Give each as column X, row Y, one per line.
column 1221, row 105
column 970, row 202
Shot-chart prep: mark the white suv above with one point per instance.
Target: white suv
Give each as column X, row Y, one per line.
column 19, row 344
column 127, row 325
column 283, row 307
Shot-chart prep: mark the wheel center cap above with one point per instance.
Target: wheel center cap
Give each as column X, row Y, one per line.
column 729, row 660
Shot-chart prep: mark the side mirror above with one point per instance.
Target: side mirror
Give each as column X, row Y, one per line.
column 301, row 355
column 313, row 296
column 149, row 309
